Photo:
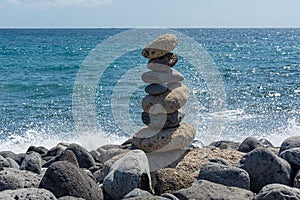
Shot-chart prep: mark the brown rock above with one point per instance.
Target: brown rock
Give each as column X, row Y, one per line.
column 169, row 76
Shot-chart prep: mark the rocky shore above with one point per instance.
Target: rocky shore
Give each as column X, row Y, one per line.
column 253, row 169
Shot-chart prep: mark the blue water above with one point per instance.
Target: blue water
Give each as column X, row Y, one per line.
column 260, row 70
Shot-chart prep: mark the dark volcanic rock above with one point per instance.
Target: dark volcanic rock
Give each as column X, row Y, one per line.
column 292, row 156
column 84, row 158
column 225, row 175
column 63, row 178
column 163, row 120
column 32, row 162
column 27, row 194
column 66, row 155
column 297, row 180
column 137, row 192
column 156, row 89
column 278, row 192
column 168, row 180
column 226, row 144
column 291, row 142
column 206, row 190
column 249, row 144
column 264, row 168
column 219, row 161
column 41, row 150
column 129, row 172
column 11, row 178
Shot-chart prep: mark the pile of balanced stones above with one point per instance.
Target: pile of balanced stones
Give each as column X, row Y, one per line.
column 163, row 106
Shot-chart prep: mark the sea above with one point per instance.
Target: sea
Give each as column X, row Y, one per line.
column 84, row 86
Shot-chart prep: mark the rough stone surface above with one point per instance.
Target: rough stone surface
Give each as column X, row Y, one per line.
column 110, row 153
column 160, row 46
column 11, row 178
column 169, row 180
column 278, row 192
column 164, row 63
column 297, row 179
column 129, row 172
column 150, row 140
column 292, row 156
column 12, row 163
column 57, row 149
column 194, row 159
column 169, row 196
column 225, row 175
column 63, row 178
column 137, row 192
column 291, row 142
column 219, row 161
column 163, row 121
column 167, row 102
column 41, row 150
column 27, row 194
column 70, row 198
column 249, row 144
column 264, row 168
column 156, row 89
column 3, row 162
column 66, row 155
column 169, row 76
column 84, row 158
column 205, row 190
column 226, row 144
column 32, row 162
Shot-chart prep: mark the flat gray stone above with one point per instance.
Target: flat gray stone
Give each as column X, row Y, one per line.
column 225, row 175
column 160, row 46
column 278, row 192
column 157, row 140
column 169, row 76
column 163, row 121
column 264, row 167
column 27, row 194
column 127, row 173
column 206, row 190
column 168, row 102
column 156, row 89
column 164, row 63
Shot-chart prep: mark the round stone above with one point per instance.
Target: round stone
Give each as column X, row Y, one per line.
column 169, row 76
column 168, row 102
column 156, row 89
column 156, row 140
column 160, row 46
column 164, row 63
column 163, row 121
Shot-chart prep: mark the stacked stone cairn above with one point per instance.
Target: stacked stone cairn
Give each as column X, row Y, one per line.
column 163, row 106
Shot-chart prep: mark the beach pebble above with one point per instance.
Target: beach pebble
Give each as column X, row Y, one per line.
column 292, row 156
column 156, row 89
column 150, row 140
column 11, row 178
column 63, row 178
column 169, row 76
column 127, row 173
column 289, row 143
column 27, row 194
column 278, row 192
column 261, row 165
column 219, row 161
column 168, row 102
column 249, row 144
column 169, row 180
column 163, row 121
column 206, row 190
column 160, row 46
column 66, row 155
column 32, row 162
column 225, row 175
column 84, row 158
column 164, row 63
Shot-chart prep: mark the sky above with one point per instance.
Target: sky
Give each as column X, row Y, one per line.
column 149, row 13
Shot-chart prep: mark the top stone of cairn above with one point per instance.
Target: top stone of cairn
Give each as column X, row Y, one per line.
column 160, row 47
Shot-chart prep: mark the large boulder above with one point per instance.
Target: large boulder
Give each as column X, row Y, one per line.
column 278, row 192
column 41, row 150
column 206, row 190
column 169, row 180
column 66, row 155
column 289, row 143
column 3, row 162
column 63, row 178
column 225, row 175
column 292, row 156
column 84, row 158
column 249, row 144
column 297, row 179
column 32, row 162
column 11, row 178
column 264, row 168
column 129, row 172
column 27, row 194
